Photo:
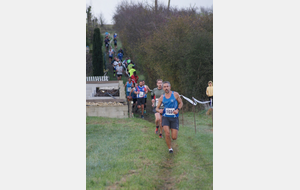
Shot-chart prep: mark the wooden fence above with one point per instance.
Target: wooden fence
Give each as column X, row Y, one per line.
column 97, row 78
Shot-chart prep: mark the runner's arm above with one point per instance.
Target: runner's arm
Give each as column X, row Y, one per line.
column 180, row 103
column 159, row 104
column 130, row 92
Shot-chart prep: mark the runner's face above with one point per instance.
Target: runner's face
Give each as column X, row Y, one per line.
column 159, row 84
column 141, row 84
column 167, row 88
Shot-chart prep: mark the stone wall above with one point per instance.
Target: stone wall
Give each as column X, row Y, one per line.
column 108, row 111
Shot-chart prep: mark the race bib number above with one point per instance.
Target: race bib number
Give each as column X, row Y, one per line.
column 169, row 111
column 141, row 94
column 128, row 89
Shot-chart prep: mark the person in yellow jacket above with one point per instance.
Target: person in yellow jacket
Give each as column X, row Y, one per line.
column 209, row 92
column 131, row 71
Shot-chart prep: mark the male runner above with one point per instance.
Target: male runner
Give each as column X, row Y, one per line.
column 155, row 95
column 115, row 63
column 172, row 104
column 140, row 92
column 119, row 69
column 148, row 90
column 110, row 54
column 134, row 77
column 128, row 85
column 115, row 42
column 134, row 99
column 106, row 41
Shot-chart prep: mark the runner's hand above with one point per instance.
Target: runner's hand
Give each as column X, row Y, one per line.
column 161, row 111
column 176, row 111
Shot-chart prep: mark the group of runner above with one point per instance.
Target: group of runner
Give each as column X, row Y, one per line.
column 166, row 103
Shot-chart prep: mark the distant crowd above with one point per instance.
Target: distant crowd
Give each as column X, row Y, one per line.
column 115, row 58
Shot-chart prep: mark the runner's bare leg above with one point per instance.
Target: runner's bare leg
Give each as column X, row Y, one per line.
column 167, row 134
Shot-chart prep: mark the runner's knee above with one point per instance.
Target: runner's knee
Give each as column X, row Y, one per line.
column 167, row 133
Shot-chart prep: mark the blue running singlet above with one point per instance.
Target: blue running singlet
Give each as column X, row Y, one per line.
column 141, row 92
column 170, row 105
column 128, row 87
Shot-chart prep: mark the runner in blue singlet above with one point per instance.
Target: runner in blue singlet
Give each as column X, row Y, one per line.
column 140, row 92
column 172, row 104
column 129, row 85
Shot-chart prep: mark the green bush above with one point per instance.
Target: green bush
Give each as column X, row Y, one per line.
column 97, row 53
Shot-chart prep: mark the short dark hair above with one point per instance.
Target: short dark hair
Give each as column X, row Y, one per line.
column 167, row 82
column 159, row 80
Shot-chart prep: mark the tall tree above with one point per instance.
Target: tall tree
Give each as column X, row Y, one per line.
column 97, row 53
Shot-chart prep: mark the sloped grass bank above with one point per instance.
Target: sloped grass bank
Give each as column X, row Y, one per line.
column 127, row 154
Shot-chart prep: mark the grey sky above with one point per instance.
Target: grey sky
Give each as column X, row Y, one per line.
column 107, row 7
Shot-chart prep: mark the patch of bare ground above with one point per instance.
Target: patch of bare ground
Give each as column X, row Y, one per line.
column 144, row 129
column 166, row 171
column 116, row 185
column 97, row 122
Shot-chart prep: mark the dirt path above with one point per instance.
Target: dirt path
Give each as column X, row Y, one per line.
column 166, row 170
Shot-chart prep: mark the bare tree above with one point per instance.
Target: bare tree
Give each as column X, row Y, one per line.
column 102, row 20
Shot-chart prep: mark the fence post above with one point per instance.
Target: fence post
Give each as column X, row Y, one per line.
column 182, row 117
column 194, row 116
column 129, row 108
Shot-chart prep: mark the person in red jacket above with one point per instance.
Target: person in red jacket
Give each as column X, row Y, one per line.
column 134, row 77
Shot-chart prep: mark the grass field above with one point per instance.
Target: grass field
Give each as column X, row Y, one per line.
column 127, row 154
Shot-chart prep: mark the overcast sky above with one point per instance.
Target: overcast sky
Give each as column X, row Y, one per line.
column 107, row 7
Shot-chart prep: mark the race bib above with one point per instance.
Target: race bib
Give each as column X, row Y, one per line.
column 128, row 89
column 169, row 111
column 141, row 94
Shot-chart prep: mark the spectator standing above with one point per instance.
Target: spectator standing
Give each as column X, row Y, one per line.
column 209, row 92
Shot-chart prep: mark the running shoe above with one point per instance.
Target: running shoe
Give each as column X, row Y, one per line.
column 160, row 135
column 170, row 151
column 142, row 116
column 156, row 131
column 144, row 111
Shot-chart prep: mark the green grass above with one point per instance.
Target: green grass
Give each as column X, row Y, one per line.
column 126, row 154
